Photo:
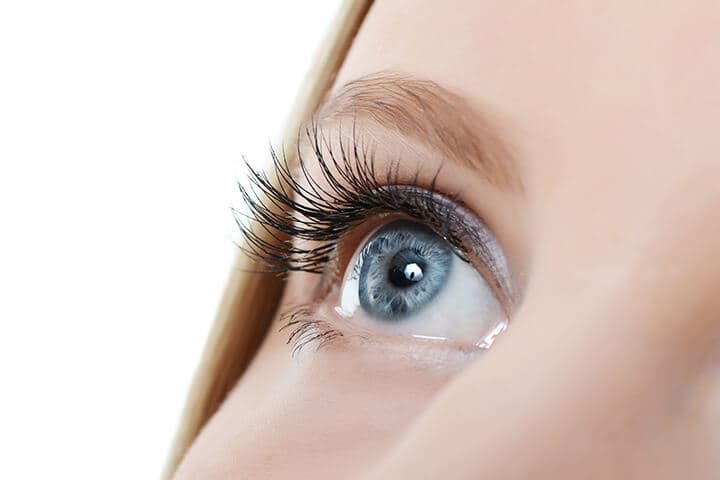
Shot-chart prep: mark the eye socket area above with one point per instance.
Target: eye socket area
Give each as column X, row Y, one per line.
column 406, row 280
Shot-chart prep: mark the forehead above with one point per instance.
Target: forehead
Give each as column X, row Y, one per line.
column 602, row 86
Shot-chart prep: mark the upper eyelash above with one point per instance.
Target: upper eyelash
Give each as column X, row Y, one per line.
column 297, row 205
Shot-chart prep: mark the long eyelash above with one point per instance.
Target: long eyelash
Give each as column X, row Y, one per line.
column 298, row 205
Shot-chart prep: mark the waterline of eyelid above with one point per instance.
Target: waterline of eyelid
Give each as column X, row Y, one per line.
column 485, row 343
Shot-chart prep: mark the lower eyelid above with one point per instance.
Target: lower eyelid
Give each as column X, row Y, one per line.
column 314, row 327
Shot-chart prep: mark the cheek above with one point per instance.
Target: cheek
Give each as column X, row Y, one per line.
column 337, row 410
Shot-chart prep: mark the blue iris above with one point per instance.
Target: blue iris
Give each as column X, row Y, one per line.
column 405, row 265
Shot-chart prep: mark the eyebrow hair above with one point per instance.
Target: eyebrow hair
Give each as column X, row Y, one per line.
column 431, row 114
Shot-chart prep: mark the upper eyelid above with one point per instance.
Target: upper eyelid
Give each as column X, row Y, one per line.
column 330, row 210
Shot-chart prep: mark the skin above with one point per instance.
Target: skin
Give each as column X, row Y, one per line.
column 610, row 367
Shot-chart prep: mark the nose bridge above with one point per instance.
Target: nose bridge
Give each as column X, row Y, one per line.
column 621, row 326
column 612, row 375
column 640, row 240
column 631, row 296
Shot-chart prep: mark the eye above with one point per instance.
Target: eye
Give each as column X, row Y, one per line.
column 405, row 279
column 429, row 268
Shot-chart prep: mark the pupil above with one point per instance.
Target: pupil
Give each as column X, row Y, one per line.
column 406, row 269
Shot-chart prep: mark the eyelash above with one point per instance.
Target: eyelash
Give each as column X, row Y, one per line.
column 299, row 207
column 295, row 205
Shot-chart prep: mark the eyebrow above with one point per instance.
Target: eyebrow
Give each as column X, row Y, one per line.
column 430, row 114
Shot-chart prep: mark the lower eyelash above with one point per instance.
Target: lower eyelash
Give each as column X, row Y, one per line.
column 306, row 329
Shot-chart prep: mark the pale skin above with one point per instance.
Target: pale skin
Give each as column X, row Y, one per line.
column 610, row 366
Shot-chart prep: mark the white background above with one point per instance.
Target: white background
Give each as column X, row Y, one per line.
column 121, row 128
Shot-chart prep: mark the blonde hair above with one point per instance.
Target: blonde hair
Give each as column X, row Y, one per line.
column 250, row 300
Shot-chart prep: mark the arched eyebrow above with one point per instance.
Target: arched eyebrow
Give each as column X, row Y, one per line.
column 431, row 115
